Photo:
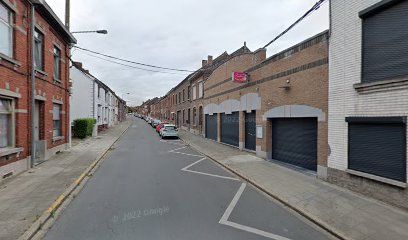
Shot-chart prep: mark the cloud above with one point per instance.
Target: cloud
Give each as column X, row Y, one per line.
column 178, row 34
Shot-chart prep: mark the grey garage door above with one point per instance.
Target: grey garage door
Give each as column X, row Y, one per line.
column 378, row 147
column 250, row 130
column 294, row 141
column 211, row 126
column 230, row 128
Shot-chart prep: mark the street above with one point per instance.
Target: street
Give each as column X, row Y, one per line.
column 148, row 188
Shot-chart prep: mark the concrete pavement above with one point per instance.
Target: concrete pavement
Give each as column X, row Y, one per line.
column 150, row 188
column 347, row 214
column 24, row 198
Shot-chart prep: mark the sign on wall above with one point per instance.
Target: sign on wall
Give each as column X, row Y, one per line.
column 259, row 132
column 239, row 77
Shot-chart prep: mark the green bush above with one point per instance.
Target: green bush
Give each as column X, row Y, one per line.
column 83, row 127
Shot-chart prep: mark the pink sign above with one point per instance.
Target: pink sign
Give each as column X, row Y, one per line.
column 239, row 77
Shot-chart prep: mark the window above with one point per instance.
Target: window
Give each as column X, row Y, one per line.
column 99, row 92
column 56, row 117
column 6, row 31
column 184, row 114
column 184, row 95
column 188, row 116
column 194, row 116
column 57, row 63
column 200, row 89
column 38, row 50
column 188, row 92
column 6, row 128
column 194, row 92
column 384, row 48
column 377, row 146
column 179, row 97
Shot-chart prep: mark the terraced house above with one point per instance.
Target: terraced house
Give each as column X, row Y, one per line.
column 51, row 65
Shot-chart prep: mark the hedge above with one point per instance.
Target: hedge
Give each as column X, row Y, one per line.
column 83, row 127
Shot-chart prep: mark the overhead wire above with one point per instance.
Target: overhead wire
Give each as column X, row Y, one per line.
column 310, row 11
column 133, row 62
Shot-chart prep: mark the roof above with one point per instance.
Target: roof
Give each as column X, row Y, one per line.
column 46, row 11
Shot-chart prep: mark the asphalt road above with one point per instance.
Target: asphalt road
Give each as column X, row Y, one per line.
column 153, row 189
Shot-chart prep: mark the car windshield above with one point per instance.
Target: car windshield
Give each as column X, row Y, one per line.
column 170, row 128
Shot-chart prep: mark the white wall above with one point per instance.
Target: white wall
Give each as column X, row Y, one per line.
column 81, row 98
column 344, row 71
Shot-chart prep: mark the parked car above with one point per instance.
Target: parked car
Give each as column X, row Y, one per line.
column 158, row 127
column 169, row 130
column 155, row 123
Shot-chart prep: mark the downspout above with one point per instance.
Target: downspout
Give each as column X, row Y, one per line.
column 33, row 145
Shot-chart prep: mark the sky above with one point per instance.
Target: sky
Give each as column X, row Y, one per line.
column 179, row 34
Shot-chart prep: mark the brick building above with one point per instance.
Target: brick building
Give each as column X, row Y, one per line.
column 51, row 52
column 368, row 95
column 281, row 111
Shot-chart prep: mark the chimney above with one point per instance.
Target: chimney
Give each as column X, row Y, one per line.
column 204, row 63
column 210, row 60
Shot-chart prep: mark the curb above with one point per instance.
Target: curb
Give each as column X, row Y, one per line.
column 319, row 223
column 37, row 226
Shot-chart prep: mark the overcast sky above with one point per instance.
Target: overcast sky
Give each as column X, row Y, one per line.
column 179, row 34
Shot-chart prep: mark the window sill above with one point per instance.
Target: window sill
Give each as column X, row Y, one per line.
column 56, row 80
column 8, row 151
column 54, row 139
column 41, row 72
column 383, row 85
column 9, row 59
column 377, row 178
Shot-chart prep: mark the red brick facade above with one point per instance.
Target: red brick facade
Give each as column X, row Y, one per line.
column 15, row 82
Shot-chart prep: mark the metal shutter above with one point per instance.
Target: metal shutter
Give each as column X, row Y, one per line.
column 250, row 130
column 378, row 149
column 211, row 127
column 294, row 141
column 230, row 128
column 385, row 48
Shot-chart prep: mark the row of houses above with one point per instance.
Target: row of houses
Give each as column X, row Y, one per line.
column 91, row 98
column 334, row 105
column 34, row 40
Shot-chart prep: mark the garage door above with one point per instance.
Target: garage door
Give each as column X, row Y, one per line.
column 211, row 126
column 230, row 128
column 250, row 130
column 294, row 141
column 378, row 147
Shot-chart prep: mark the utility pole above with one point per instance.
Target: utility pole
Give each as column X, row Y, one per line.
column 67, row 13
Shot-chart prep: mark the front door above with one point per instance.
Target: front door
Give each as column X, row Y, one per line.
column 37, row 121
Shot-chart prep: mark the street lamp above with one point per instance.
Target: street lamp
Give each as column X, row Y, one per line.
column 94, row 31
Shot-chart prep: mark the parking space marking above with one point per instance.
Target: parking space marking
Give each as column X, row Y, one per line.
column 230, row 208
column 188, row 154
column 175, row 142
column 203, row 173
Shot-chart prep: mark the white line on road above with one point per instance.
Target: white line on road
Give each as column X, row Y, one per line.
column 203, row 173
column 230, row 208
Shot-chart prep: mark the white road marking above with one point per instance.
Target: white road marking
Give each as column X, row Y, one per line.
column 175, row 142
column 203, row 173
column 177, row 149
column 188, row 154
column 230, row 208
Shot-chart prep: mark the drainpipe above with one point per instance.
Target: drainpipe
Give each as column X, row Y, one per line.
column 33, row 145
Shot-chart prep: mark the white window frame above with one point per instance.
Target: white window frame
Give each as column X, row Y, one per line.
column 9, row 25
column 11, row 119
column 194, row 92
column 59, row 106
column 200, row 89
column 57, row 63
column 41, row 57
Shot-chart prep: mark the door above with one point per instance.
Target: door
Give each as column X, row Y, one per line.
column 211, row 127
column 37, row 121
column 294, row 141
column 250, row 130
column 230, row 128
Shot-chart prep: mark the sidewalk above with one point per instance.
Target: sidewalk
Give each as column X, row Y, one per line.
column 347, row 214
column 25, row 197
